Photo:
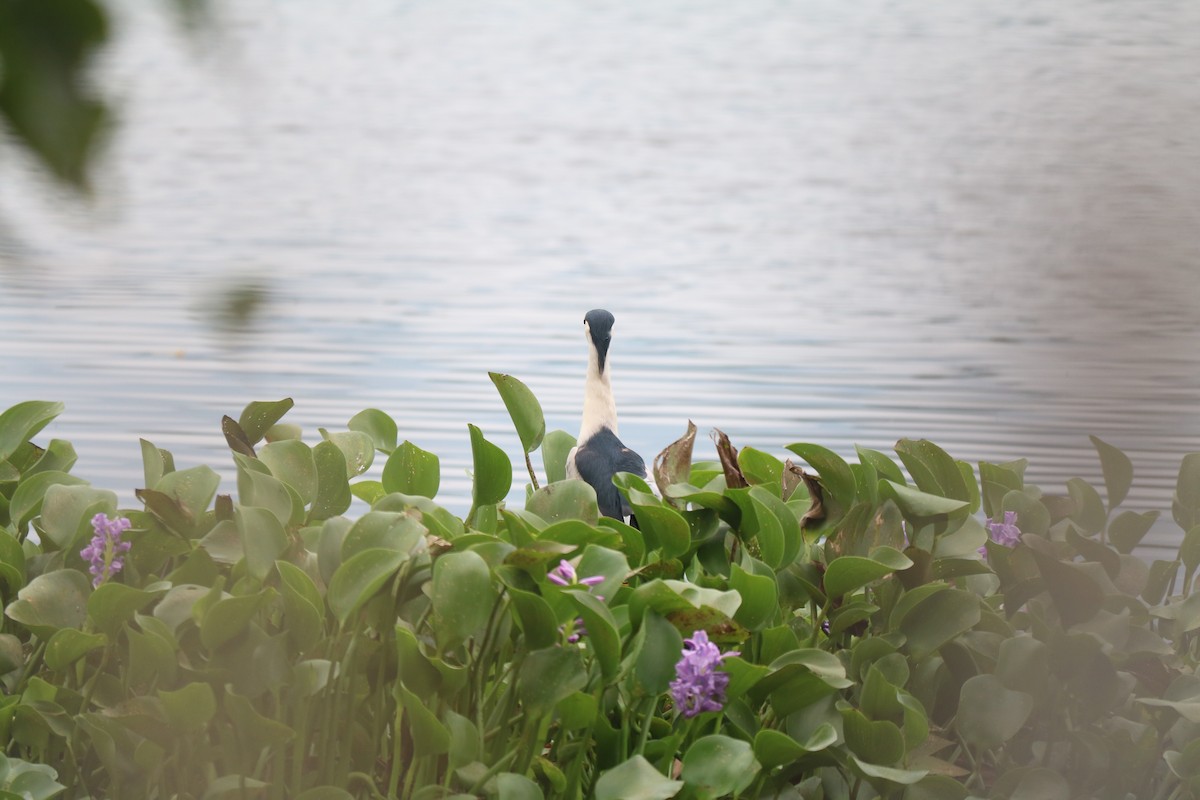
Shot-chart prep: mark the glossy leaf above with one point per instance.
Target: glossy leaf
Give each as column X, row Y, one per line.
column 258, row 417
column 69, row 645
column 412, row 471
column 229, row 617
column 939, row 618
column 848, row 573
column 430, row 736
column 760, row 597
column 662, row 525
column 717, row 766
column 22, row 422
column 462, row 596
column 564, row 500
column 989, row 714
column 1128, row 528
column 836, row 476
column 333, row 488
column 52, row 601
column 357, row 448
column 523, row 408
column 1118, row 471
column 555, row 447
column 26, row 501
column 655, row 668
column 358, row 579
column 67, row 511
column 377, row 425
column 291, row 461
column 263, row 538
column 492, row 477
column 114, row 604
column 635, row 779
column 189, row 707
column 549, row 676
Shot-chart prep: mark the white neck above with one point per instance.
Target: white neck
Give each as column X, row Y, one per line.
column 599, row 407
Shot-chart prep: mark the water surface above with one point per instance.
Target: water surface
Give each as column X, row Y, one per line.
column 814, row 221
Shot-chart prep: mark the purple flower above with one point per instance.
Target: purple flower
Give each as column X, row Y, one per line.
column 1004, row 533
column 698, row 686
column 104, row 552
column 564, row 575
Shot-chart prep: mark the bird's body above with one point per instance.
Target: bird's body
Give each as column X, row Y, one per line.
column 599, row 453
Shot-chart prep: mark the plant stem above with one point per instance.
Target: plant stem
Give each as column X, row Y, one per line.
column 532, row 476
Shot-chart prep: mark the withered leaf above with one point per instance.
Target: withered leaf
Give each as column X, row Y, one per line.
column 728, row 454
column 674, row 463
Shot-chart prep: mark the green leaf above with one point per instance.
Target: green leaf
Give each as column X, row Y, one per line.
column 291, row 461
column 1185, row 506
column 190, row 707
column 193, row 489
column 905, row 777
column 1128, row 528
column 563, row 500
column 635, row 779
column 1076, row 595
column 462, row 597
column 412, row 471
column 114, row 604
column 919, row 507
column 524, row 409
column 878, row 742
column 716, row 766
column 1118, row 471
column 493, row 472
column 69, row 645
column 937, row 619
column 303, row 608
column 263, row 538
column 837, row 479
column 760, row 597
column 258, row 417
column 933, row 470
column 761, row 469
column 848, row 573
column 389, row 530
column 1089, row 512
column 549, row 675
column 255, row 732
column 52, row 601
column 655, row 667
column 511, row 786
column 333, row 488
column 357, row 580
column 67, row 512
column 23, row 421
column 357, row 448
column 662, row 525
column 229, row 617
column 602, row 636
column 378, row 425
column 535, row 618
column 989, row 713
column 20, row 780
column 555, row 447
column 26, row 502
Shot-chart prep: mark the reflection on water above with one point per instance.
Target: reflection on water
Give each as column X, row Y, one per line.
column 814, row 221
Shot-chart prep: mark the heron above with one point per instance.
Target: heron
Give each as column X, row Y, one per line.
column 598, row 453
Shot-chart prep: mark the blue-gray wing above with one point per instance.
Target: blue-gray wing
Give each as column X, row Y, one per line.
column 598, row 460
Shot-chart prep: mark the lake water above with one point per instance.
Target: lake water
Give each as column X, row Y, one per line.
column 815, row 221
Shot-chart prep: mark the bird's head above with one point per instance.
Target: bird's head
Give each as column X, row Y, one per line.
column 597, row 324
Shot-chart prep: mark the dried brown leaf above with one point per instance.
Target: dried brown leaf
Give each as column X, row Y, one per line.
column 728, row 454
column 674, row 463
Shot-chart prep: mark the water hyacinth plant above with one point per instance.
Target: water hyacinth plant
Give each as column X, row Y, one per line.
column 817, row 629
